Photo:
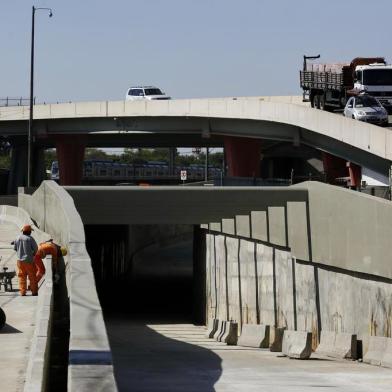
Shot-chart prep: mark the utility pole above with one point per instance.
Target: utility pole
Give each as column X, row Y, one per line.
column 30, row 137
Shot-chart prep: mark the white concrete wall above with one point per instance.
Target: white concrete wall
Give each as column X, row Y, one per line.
column 287, row 291
column 89, row 350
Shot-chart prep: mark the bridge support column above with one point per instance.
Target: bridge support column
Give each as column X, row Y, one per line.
column 172, row 160
column 242, row 156
column 18, row 170
column 70, row 155
column 338, row 168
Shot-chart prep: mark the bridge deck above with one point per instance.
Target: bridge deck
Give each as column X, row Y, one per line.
column 15, row 337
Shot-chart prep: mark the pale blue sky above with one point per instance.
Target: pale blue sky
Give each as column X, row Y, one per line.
column 95, row 49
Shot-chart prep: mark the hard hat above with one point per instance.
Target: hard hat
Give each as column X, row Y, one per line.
column 26, row 229
column 63, row 251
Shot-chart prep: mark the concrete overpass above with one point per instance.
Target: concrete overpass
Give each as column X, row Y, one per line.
column 234, row 122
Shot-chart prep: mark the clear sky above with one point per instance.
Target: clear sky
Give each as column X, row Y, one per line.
column 95, row 49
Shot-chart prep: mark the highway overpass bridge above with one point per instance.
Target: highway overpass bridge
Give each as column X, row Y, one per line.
column 238, row 124
column 310, row 257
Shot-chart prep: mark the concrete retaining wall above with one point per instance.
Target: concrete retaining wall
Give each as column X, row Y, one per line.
column 306, row 266
column 90, row 361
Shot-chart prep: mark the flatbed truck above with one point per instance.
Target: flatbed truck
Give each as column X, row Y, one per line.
column 329, row 86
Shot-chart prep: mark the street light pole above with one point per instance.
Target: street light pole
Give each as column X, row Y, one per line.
column 30, row 133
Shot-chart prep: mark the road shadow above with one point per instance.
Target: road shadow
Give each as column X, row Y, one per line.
column 145, row 360
column 8, row 329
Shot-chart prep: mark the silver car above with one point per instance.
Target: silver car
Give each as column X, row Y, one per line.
column 366, row 108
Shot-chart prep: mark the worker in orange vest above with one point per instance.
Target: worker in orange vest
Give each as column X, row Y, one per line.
column 44, row 249
column 26, row 248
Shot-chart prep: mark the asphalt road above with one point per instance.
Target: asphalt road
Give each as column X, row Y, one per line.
column 177, row 357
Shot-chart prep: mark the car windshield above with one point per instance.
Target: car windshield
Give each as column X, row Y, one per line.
column 362, row 102
column 152, row 91
column 377, row 77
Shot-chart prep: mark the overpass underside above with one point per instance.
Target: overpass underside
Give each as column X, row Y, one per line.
column 240, row 125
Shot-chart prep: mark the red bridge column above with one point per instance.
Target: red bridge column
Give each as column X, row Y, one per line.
column 70, row 155
column 335, row 167
column 242, row 156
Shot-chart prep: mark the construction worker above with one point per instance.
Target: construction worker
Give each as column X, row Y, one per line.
column 44, row 249
column 26, row 247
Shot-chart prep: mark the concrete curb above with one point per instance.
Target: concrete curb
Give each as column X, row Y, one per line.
column 297, row 344
column 379, row 352
column 337, row 345
column 38, row 363
column 254, row 336
column 212, row 327
column 230, row 335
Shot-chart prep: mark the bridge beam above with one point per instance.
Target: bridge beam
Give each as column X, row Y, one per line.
column 70, row 155
column 242, row 156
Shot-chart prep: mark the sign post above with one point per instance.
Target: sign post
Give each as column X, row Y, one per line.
column 183, row 176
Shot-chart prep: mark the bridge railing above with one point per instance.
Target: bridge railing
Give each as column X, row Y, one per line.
column 55, row 212
column 10, row 101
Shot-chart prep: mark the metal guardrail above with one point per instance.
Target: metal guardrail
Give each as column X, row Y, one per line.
column 9, row 101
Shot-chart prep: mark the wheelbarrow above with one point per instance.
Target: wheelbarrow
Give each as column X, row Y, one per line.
column 6, row 279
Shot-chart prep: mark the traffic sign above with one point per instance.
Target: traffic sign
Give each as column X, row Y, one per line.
column 183, row 175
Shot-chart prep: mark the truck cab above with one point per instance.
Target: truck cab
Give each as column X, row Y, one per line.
column 376, row 80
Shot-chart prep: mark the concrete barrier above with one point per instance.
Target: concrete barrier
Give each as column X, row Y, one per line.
column 220, row 330
column 38, row 363
column 375, row 350
column 277, row 340
column 254, row 336
column 89, row 359
column 297, row 344
column 212, row 327
column 379, row 352
column 337, row 345
column 230, row 335
column 387, row 357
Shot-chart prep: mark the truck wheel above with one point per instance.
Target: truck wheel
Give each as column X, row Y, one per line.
column 2, row 318
column 316, row 102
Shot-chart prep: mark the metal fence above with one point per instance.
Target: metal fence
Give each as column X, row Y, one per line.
column 10, row 101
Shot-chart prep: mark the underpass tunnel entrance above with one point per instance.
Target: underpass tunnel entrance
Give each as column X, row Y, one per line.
column 146, row 271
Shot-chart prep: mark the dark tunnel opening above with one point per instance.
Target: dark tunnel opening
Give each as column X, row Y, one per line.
column 151, row 284
column 144, row 271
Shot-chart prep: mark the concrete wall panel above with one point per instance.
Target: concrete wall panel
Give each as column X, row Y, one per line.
column 221, row 276
column 242, row 225
column 297, row 220
column 228, row 226
column 277, row 225
column 232, row 245
column 259, row 225
column 265, row 270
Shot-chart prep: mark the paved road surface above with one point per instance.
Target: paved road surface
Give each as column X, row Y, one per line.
column 178, row 358
column 15, row 337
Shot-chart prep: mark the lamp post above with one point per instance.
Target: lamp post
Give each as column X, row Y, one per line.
column 30, row 134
